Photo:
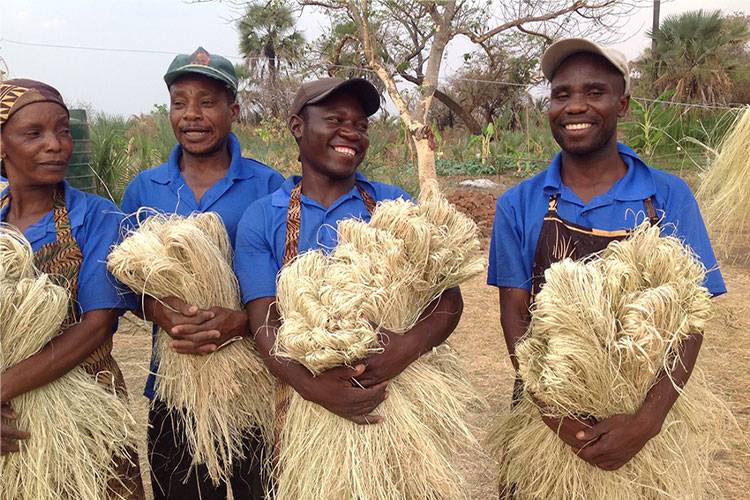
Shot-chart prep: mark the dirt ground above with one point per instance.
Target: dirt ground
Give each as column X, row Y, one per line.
column 724, row 359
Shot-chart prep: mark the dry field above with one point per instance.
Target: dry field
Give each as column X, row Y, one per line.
column 724, row 358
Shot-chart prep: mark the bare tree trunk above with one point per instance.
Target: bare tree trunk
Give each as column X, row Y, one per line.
column 425, row 160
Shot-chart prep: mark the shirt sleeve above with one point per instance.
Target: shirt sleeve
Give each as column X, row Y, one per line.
column 507, row 265
column 97, row 288
column 254, row 262
column 131, row 202
column 685, row 222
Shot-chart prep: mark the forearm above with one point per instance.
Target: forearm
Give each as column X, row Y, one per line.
column 438, row 321
column 60, row 355
column 514, row 318
column 662, row 396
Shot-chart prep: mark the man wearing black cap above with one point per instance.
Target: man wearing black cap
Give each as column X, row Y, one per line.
column 588, row 197
column 205, row 172
column 329, row 120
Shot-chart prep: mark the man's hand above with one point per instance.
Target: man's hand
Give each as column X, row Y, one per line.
column 568, row 429
column 209, row 336
column 9, row 435
column 169, row 312
column 399, row 351
column 614, row 441
column 334, row 391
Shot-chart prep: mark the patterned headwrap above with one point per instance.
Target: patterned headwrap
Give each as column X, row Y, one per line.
column 17, row 93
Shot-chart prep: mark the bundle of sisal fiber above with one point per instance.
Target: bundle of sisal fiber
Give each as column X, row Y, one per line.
column 388, row 271
column 223, row 396
column 602, row 332
column 76, row 427
column 723, row 190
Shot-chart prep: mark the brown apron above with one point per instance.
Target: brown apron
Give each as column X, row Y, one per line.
column 61, row 260
column 291, row 249
column 560, row 239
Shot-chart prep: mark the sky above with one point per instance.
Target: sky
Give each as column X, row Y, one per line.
column 137, row 39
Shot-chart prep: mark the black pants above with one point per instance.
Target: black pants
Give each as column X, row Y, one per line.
column 170, row 462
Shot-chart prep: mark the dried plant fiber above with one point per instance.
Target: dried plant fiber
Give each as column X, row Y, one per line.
column 389, row 271
column 723, row 193
column 225, row 395
column 77, row 428
column 602, row 332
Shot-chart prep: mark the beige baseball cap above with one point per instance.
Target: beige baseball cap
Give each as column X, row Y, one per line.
column 562, row 49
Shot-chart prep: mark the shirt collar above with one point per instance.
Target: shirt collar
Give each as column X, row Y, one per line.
column 75, row 202
column 637, row 184
column 236, row 171
column 280, row 197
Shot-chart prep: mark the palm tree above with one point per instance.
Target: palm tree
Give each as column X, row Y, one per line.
column 696, row 56
column 269, row 40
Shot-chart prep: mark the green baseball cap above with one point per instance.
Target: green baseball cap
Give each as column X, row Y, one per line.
column 205, row 64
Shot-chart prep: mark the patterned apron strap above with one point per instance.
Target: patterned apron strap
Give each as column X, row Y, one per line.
column 283, row 394
column 652, row 217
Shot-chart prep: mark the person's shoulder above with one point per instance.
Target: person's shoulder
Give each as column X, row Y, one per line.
column 382, row 191
column 91, row 203
column 153, row 173
column 259, row 168
column 533, row 186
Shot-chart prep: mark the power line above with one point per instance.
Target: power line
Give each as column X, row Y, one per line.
column 341, row 66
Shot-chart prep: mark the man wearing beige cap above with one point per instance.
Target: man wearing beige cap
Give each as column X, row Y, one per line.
column 594, row 191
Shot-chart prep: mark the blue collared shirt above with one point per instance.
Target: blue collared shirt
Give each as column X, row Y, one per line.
column 520, row 210
column 95, row 225
column 261, row 235
column 164, row 189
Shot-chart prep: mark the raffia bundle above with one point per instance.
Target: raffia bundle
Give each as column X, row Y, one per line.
column 223, row 396
column 387, row 271
column 724, row 187
column 76, row 428
column 600, row 335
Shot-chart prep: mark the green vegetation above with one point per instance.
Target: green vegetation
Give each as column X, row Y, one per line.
column 671, row 137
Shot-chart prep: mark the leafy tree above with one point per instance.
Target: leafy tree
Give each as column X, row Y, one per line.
column 698, row 53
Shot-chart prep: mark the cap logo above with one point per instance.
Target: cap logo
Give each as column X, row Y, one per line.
column 200, row 58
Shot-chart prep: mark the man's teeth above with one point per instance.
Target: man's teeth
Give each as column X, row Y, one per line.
column 195, row 132
column 577, row 126
column 346, row 151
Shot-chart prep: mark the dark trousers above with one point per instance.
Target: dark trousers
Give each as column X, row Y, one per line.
column 170, row 462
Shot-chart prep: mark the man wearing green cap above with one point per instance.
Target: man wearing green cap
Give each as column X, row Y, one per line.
column 205, row 172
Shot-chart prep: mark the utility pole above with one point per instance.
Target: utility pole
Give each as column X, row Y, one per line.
column 655, row 27
column 654, row 49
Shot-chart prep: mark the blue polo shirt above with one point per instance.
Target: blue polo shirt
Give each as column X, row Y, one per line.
column 95, row 224
column 164, row 189
column 261, row 235
column 520, row 210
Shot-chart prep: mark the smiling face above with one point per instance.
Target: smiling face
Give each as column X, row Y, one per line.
column 36, row 145
column 332, row 136
column 585, row 102
column 201, row 113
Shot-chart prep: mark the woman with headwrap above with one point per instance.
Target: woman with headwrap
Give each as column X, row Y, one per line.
column 71, row 233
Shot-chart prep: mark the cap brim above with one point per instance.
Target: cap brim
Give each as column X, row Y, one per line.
column 364, row 91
